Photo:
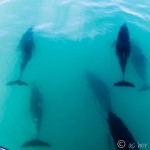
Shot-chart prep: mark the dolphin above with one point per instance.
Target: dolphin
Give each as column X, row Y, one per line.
column 100, row 90
column 119, row 131
column 123, row 52
column 26, row 45
column 139, row 62
column 37, row 115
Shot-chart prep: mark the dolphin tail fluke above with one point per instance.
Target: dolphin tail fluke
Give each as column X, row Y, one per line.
column 35, row 143
column 124, row 83
column 17, row 82
column 144, row 88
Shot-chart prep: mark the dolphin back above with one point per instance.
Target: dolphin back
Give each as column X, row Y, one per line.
column 119, row 131
column 100, row 90
column 35, row 143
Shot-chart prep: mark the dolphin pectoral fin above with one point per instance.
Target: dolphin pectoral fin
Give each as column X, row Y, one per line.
column 18, row 82
column 124, row 83
column 35, row 143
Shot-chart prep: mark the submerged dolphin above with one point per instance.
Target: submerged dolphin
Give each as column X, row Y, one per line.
column 37, row 115
column 27, row 46
column 100, row 90
column 119, row 132
column 140, row 64
column 123, row 52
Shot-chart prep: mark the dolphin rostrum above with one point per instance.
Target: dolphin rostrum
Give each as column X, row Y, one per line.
column 26, row 45
column 37, row 115
column 123, row 52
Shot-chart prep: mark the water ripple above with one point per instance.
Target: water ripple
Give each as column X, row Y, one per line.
column 86, row 17
column 132, row 12
column 4, row 1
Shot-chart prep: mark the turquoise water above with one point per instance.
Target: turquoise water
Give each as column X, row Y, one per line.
column 72, row 37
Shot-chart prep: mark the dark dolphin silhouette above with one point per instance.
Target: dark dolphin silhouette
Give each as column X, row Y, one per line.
column 27, row 46
column 37, row 115
column 140, row 64
column 100, row 90
column 123, row 52
column 119, row 131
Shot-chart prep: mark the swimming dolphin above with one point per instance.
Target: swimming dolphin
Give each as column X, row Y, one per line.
column 100, row 90
column 119, row 131
column 140, row 64
column 37, row 115
column 123, row 52
column 27, row 46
